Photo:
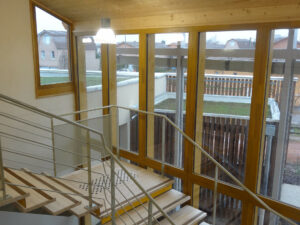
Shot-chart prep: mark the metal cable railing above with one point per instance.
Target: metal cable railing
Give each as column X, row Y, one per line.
column 113, row 159
column 218, row 166
column 21, row 139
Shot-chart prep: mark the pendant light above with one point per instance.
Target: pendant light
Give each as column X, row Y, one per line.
column 105, row 34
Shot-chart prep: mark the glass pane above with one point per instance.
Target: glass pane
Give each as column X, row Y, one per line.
column 90, row 53
column 53, row 48
column 170, row 92
column 92, row 63
column 281, row 154
column 226, row 102
column 128, row 70
column 266, row 217
column 298, row 38
column 280, row 39
column 228, row 208
column 128, row 90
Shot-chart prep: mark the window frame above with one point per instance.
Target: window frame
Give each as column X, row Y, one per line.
column 253, row 169
column 51, row 89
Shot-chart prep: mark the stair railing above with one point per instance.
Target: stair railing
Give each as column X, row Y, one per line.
column 113, row 161
column 218, row 166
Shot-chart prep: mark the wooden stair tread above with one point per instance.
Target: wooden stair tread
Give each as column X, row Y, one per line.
column 15, row 194
column 36, row 198
column 167, row 201
column 79, row 210
column 187, row 215
column 152, row 182
column 61, row 203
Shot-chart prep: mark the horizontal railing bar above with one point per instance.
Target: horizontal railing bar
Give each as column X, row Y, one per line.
column 45, row 129
column 27, row 122
column 45, row 160
column 10, row 136
column 236, row 53
column 26, row 131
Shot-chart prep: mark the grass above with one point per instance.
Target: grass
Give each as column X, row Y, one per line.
column 295, row 131
column 229, row 108
column 90, row 81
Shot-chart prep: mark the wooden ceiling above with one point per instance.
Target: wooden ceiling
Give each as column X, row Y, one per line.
column 162, row 13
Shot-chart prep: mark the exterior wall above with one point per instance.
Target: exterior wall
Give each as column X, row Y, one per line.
column 91, row 62
column 282, row 44
column 48, row 61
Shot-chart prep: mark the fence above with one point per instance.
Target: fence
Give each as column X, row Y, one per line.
column 232, row 85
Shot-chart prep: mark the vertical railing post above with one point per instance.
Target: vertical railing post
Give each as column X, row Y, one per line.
column 89, row 163
column 53, row 148
column 2, row 183
column 215, row 195
column 117, row 133
column 163, row 146
column 150, row 212
column 112, row 191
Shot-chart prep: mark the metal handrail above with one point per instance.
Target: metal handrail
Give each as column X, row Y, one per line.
column 36, row 110
column 217, row 164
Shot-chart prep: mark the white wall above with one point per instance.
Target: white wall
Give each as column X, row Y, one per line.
column 17, row 73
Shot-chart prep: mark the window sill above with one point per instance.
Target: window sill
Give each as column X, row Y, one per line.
column 54, row 89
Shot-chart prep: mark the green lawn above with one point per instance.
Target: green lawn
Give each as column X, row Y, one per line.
column 229, row 108
column 90, row 81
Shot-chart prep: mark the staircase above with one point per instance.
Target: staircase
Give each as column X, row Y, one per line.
column 81, row 173
column 31, row 191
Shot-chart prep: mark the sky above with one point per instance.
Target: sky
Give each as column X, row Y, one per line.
column 47, row 22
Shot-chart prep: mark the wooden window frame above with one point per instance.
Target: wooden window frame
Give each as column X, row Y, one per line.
column 51, row 89
column 189, row 178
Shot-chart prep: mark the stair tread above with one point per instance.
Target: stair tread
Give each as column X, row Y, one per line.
column 34, row 200
column 150, row 181
column 79, row 210
column 14, row 194
column 167, row 201
column 187, row 215
column 61, row 203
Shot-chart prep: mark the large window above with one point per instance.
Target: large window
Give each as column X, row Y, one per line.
column 281, row 153
column 170, row 78
column 226, row 100
column 52, row 53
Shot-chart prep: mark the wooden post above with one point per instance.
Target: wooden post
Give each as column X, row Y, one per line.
column 150, row 93
column 199, row 112
column 191, row 100
column 82, row 101
column 81, row 71
column 257, row 115
column 109, row 87
column 142, row 97
column 105, row 76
